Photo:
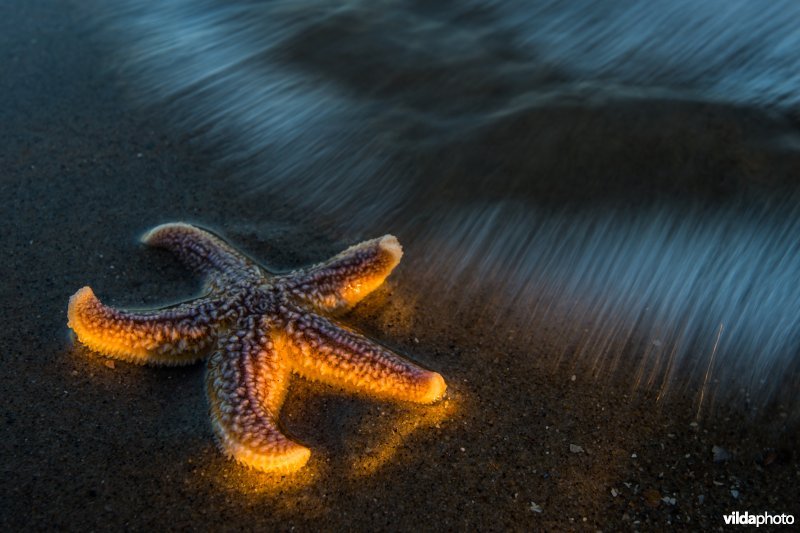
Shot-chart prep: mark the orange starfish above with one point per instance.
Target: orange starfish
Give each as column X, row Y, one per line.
column 264, row 327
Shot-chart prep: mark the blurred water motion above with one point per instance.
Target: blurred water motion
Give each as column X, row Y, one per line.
column 624, row 171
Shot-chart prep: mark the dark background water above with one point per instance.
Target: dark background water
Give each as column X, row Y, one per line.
column 622, row 173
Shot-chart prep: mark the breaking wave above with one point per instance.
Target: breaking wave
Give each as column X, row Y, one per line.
column 625, row 172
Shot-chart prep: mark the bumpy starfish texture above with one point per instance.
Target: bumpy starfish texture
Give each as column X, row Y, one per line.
column 263, row 327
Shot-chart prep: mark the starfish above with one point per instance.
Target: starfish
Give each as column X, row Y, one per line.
column 263, row 327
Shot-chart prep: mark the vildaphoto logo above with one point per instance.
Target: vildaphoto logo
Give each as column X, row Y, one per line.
column 763, row 519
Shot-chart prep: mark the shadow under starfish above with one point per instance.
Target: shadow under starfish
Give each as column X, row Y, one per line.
column 264, row 327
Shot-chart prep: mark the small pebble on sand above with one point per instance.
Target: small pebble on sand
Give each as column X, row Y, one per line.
column 720, row 454
column 652, row 498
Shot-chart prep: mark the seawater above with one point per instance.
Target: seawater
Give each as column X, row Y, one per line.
column 623, row 171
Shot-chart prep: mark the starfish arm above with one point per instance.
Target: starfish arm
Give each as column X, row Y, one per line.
column 342, row 281
column 177, row 335
column 324, row 351
column 203, row 252
column 246, row 384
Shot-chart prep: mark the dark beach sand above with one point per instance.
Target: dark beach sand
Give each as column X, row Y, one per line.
column 88, row 445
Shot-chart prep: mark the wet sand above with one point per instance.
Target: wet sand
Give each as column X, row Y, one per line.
column 93, row 445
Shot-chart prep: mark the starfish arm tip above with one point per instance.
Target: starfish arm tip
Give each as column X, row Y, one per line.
column 81, row 295
column 286, row 461
column 391, row 246
column 434, row 388
column 78, row 303
column 85, row 316
column 268, row 451
column 151, row 237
